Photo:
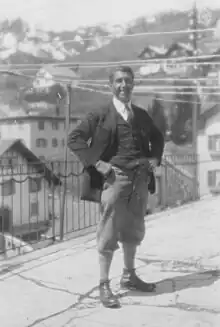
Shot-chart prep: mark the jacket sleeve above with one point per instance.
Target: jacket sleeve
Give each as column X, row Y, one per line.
column 156, row 131
column 79, row 139
column 156, row 143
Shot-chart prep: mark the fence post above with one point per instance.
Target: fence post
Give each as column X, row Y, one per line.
column 53, row 206
column 163, row 185
column 67, row 120
column 195, row 185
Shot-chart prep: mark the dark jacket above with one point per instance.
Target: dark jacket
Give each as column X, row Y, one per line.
column 94, row 139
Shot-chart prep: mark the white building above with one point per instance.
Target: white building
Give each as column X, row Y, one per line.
column 208, row 149
column 25, row 185
column 43, row 135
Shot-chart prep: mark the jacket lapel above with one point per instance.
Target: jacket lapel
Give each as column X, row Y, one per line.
column 110, row 118
column 105, row 131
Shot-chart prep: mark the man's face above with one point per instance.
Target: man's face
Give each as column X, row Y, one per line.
column 122, row 85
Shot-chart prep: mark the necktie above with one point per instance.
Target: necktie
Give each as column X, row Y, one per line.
column 128, row 112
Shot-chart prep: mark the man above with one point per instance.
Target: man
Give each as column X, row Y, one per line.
column 119, row 146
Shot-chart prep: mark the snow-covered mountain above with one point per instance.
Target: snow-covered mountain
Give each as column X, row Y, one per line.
column 17, row 37
column 22, row 43
column 28, row 44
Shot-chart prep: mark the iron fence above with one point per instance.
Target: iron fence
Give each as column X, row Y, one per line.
column 36, row 198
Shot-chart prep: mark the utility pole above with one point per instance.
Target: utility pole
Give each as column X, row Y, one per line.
column 194, row 40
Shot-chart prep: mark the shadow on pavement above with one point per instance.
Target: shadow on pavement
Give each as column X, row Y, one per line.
column 197, row 279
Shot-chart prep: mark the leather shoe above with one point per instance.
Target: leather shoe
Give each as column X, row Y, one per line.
column 130, row 281
column 107, row 298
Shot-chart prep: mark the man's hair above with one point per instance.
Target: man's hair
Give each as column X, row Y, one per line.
column 123, row 69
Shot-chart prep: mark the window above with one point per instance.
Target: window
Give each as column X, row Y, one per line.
column 7, row 161
column 8, row 188
column 41, row 125
column 34, row 185
column 42, row 158
column 54, row 143
column 34, row 208
column 57, row 110
column 214, row 178
column 214, row 143
column 41, row 143
column 55, row 125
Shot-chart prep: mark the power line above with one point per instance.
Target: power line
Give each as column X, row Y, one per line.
column 148, row 93
column 185, row 31
column 159, row 98
column 171, row 79
column 158, row 86
column 151, row 60
column 133, row 64
column 81, row 87
column 95, row 64
column 136, row 92
column 139, row 91
column 178, row 92
column 154, row 79
column 63, row 81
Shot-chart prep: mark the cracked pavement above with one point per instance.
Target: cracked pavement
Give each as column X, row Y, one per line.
column 57, row 286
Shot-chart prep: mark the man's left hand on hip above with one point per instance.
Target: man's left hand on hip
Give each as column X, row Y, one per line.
column 153, row 162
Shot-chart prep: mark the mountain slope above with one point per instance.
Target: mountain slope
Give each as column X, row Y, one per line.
column 92, row 43
column 19, row 44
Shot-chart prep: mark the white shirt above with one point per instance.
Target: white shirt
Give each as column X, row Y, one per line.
column 121, row 108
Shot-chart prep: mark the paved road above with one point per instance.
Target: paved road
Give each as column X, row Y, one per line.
column 181, row 252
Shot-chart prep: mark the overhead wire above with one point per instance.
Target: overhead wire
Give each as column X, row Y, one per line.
column 175, row 87
column 161, row 59
column 102, row 64
column 147, row 93
column 177, row 101
column 106, row 64
column 166, row 79
column 137, row 79
column 134, row 64
column 184, row 31
column 139, row 91
column 147, row 61
column 142, row 92
column 184, row 60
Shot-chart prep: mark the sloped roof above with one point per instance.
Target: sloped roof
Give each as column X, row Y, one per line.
column 158, row 52
column 179, row 46
column 62, row 72
column 210, row 102
column 31, row 158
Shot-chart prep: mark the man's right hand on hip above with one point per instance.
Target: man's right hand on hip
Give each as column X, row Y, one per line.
column 104, row 168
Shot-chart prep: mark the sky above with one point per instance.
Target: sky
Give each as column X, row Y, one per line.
column 61, row 15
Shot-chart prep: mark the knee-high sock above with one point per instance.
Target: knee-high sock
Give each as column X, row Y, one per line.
column 129, row 256
column 105, row 260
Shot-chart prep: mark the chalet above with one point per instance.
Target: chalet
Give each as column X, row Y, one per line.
column 25, row 185
column 152, row 52
column 50, row 74
column 179, row 49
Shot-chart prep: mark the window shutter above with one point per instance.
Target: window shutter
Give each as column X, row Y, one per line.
column 210, row 143
column 211, row 178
